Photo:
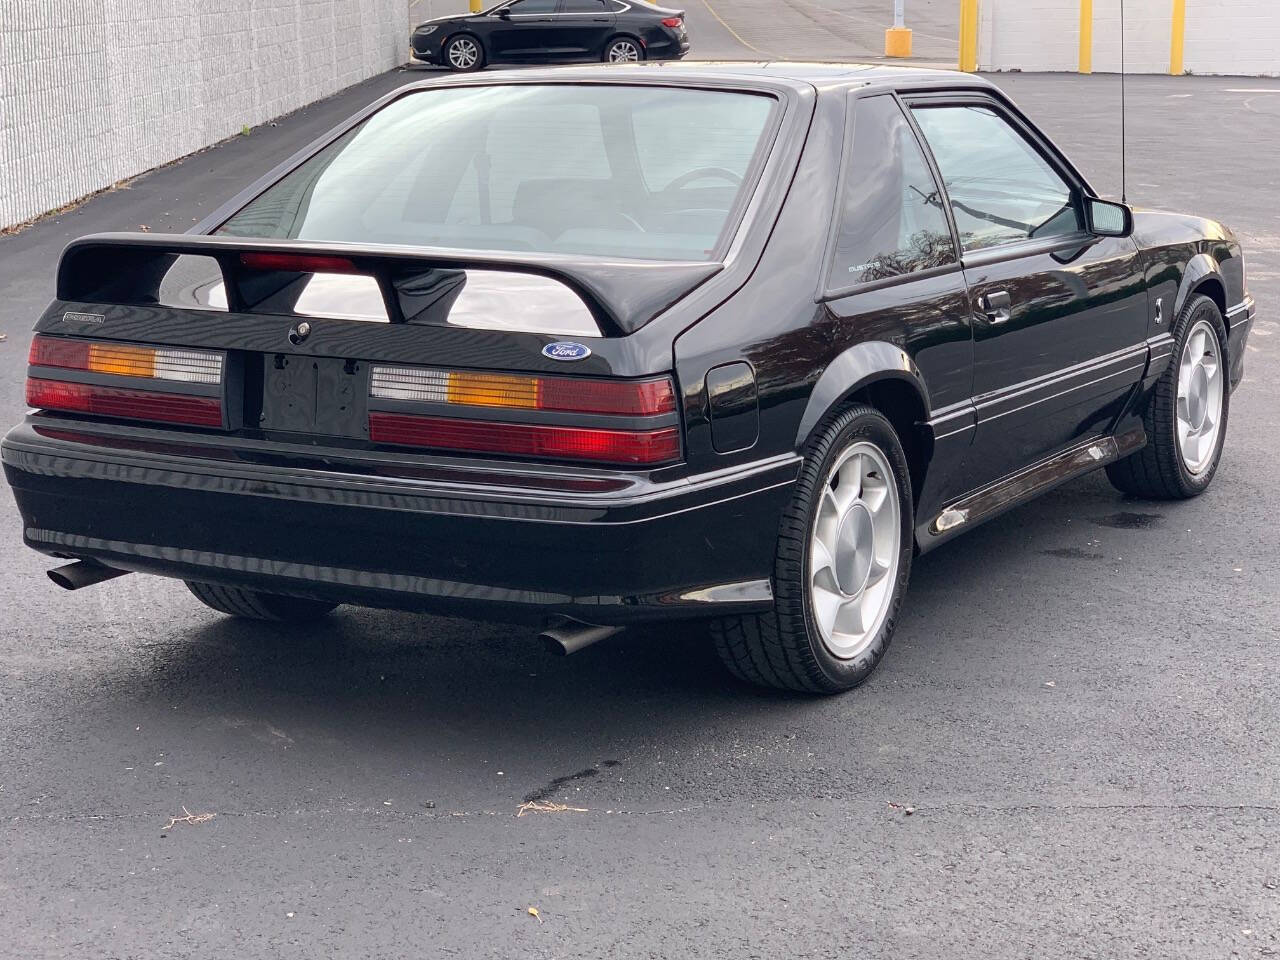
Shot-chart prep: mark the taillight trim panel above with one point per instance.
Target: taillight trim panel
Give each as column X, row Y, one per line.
column 227, row 390
column 198, row 410
column 662, row 431
column 539, row 435
column 552, row 418
column 386, row 380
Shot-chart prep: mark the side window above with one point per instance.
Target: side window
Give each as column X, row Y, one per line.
column 892, row 222
column 521, row 8
column 1001, row 189
column 583, row 6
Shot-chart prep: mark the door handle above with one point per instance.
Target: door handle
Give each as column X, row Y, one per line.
column 995, row 306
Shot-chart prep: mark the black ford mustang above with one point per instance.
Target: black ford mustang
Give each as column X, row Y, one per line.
column 552, row 31
column 618, row 344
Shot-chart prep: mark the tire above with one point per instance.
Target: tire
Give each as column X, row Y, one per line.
column 1162, row 470
column 624, row 49
column 252, row 605
column 464, row 53
column 789, row 648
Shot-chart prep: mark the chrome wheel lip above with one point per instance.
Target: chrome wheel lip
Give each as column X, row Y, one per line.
column 463, row 53
column 851, row 580
column 1200, row 395
column 623, row 51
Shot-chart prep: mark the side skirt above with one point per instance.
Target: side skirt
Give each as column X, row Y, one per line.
column 995, row 499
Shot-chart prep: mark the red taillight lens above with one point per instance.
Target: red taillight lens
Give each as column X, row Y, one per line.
column 527, row 440
column 673, row 22
column 637, row 399
column 297, row 263
column 129, row 404
column 48, row 352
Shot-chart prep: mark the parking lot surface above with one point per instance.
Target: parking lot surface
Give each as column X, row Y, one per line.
column 1070, row 750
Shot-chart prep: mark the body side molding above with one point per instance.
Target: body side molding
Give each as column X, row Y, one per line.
column 1024, row 485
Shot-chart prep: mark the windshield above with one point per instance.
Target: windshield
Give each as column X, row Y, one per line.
column 607, row 170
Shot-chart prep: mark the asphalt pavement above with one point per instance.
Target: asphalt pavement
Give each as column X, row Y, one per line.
column 1070, row 750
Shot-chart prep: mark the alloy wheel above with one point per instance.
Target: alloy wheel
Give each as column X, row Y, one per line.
column 463, row 53
column 624, row 51
column 854, row 549
column 1199, row 405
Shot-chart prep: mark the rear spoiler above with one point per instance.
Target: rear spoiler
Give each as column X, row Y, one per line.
column 127, row 268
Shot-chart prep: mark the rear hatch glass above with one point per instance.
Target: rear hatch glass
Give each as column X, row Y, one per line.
column 649, row 172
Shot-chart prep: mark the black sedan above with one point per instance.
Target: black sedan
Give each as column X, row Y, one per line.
column 588, row 347
column 552, row 31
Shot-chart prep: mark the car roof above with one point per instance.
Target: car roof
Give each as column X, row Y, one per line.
column 823, row 75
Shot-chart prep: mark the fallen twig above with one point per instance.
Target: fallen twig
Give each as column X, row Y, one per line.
column 188, row 817
column 543, row 806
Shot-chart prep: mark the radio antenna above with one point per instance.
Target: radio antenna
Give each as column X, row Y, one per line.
column 1124, row 198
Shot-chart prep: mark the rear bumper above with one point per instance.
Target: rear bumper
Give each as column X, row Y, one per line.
column 517, row 544
column 666, row 44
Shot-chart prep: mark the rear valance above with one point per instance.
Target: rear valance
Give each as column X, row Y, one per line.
column 266, row 276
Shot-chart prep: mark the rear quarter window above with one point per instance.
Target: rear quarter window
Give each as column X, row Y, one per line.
column 893, row 219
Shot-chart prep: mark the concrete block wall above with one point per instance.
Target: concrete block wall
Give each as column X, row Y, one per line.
column 94, row 93
column 1239, row 37
column 1147, row 29
column 1230, row 37
column 1016, row 32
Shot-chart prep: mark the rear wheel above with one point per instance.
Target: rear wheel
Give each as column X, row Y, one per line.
column 464, row 53
column 253, row 605
column 1186, row 416
column 841, row 568
column 623, row 50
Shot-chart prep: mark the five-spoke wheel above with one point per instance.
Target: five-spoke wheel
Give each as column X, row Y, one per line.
column 853, row 551
column 1199, row 406
column 841, row 567
column 1185, row 416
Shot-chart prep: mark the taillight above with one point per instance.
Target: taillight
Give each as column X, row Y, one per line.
column 126, row 360
column 631, row 422
column 84, row 376
column 673, row 22
column 634, row 398
column 129, row 404
column 526, row 439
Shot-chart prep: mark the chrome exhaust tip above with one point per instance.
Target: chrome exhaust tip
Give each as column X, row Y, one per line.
column 83, row 573
column 569, row 636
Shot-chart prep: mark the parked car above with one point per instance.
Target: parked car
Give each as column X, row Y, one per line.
column 597, row 346
column 552, row 31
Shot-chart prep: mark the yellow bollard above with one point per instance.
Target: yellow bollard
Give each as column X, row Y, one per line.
column 1177, row 37
column 969, row 35
column 897, row 42
column 1085, row 63
column 477, row 6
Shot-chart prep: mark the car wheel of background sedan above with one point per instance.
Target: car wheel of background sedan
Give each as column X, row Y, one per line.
column 1186, row 416
column 623, row 50
column 464, row 53
column 253, row 605
column 841, row 568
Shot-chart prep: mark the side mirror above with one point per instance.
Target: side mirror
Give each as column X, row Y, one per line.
column 1108, row 219
column 504, row 13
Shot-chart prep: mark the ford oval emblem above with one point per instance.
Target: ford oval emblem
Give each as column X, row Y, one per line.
column 566, row 350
